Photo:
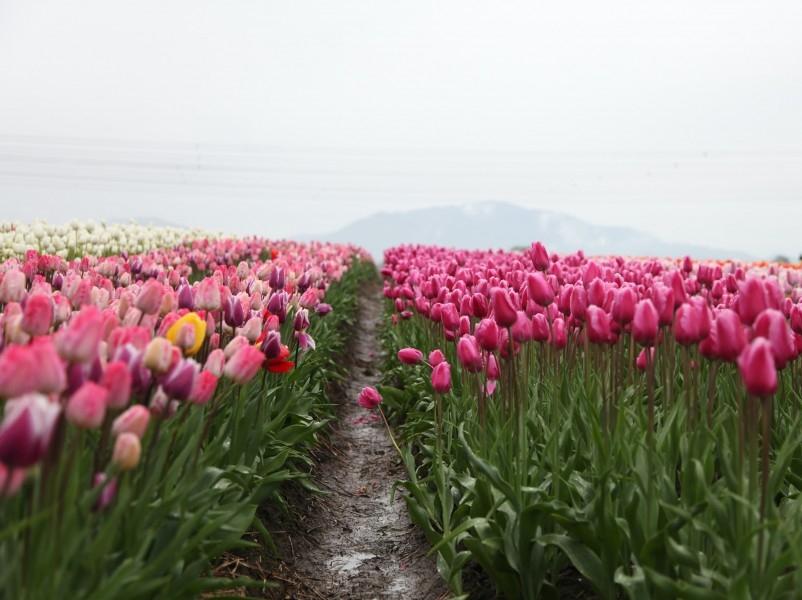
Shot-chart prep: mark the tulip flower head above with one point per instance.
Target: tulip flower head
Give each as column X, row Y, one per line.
column 369, row 398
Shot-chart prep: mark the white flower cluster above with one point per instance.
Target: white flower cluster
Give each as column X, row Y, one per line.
column 91, row 238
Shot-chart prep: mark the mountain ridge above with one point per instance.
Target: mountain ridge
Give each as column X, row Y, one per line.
column 504, row 225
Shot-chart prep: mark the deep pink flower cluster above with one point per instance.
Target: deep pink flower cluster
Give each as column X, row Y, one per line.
column 117, row 341
column 489, row 303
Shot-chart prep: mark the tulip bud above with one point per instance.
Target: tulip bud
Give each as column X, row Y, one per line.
column 730, row 337
column 598, row 325
column 12, row 287
column 641, row 362
column 277, row 279
column 645, row 323
column 37, row 316
column 204, row 387
column 539, row 289
column 469, row 354
column 487, row 335
column 540, row 256
column 116, row 379
column 751, row 300
column 134, row 420
column 127, row 451
column 207, row 296
column 78, row 341
column 179, row 381
column 233, row 313
column 323, row 309
column 559, row 337
column 86, row 408
column 158, row 355
column 215, row 362
column 436, row 356
column 27, row 429
column 504, row 311
column 756, row 364
column 441, row 378
column 150, row 297
column 244, row 364
column 369, row 398
column 410, row 356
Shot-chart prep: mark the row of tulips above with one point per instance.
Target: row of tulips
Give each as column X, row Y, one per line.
column 631, row 424
column 152, row 402
column 78, row 238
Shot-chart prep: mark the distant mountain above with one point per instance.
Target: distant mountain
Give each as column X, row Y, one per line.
column 502, row 225
column 150, row 221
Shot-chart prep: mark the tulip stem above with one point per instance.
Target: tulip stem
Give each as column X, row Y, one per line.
column 390, row 433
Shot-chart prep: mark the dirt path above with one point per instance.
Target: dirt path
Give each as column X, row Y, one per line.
column 353, row 542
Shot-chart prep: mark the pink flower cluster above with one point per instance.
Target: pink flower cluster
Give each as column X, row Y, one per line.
column 118, row 341
column 490, row 303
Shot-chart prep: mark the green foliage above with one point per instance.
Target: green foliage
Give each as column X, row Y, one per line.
column 563, row 473
column 204, row 473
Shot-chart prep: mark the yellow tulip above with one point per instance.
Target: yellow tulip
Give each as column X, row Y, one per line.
column 200, row 331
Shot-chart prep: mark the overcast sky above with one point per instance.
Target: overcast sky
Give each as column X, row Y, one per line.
column 680, row 118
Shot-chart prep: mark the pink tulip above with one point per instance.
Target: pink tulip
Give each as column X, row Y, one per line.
column 207, row 295
column 771, row 324
column 487, row 334
column 539, row 289
column 204, row 388
column 751, row 300
column 12, row 287
column 540, row 257
column 117, row 381
column 641, row 361
column 78, row 341
column 369, row 398
column 691, row 323
column 108, row 492
column 645, row 323
column 215, row 362
column 559, row 336
column 11, row 480
column 37, row 317
column 127, row 451
column 623, row 310
column 756, row 364
column 36, row 367
column 441, row 378
column 730, row 336
column 27, row 429
column 86, row 408
column 244, row 364
column 150, row 297
column 410, row 356
column 504, row 311
column 436, row 356
column 134, row 420
column 469, row 354
column 598, row 326
column 579, row 303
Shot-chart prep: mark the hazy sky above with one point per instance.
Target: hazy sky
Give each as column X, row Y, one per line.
column 681, row 118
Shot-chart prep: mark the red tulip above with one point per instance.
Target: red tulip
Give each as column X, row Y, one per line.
column 598, row 325
column 540, row 256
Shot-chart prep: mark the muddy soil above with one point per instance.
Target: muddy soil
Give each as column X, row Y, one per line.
column 354, row 542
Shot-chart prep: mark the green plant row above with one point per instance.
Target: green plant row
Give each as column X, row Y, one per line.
column 563, row 483
column 207, row 471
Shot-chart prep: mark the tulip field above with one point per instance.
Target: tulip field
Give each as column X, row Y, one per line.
column 153, row 401
column 599, row 427
column 568, row 426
